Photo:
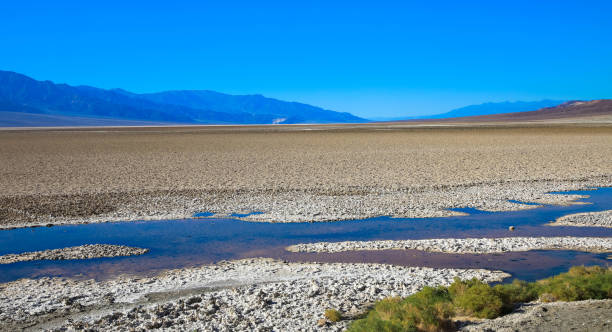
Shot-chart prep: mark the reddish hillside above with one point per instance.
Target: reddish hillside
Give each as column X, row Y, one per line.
column 570, row 109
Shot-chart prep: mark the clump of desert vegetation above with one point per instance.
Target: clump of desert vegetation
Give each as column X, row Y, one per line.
column 333, row 315
column 433, row 309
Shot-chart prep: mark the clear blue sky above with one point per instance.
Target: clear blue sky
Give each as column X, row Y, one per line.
column 371, row 58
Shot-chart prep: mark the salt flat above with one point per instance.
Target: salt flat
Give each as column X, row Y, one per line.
column 289, row 173
column 292, row 173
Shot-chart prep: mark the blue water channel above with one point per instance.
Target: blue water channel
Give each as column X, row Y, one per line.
column 193, row 242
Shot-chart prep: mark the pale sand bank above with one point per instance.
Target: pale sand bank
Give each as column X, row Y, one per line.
column 87, row 251
column 588, row 219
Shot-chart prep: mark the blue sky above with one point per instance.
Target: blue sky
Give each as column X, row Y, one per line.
column 373, row 59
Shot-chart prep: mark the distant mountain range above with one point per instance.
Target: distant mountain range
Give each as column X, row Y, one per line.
column 28, row 102
column 25, row 101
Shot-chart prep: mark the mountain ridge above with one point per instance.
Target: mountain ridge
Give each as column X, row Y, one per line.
column 20, row 93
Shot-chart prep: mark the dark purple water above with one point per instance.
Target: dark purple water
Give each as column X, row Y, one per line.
column 192, row 242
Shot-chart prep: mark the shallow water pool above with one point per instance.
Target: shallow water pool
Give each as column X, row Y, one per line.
column 192, row 242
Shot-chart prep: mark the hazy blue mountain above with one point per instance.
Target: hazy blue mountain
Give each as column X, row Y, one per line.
column 21, row 94
column 293, row 112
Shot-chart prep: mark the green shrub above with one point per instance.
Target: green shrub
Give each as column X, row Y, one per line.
column 432, row 309
column 547, row 297
column 333, row 315
column 580, row 283
column 388, row 315
column 428, row 310
column 371, row 324
column 476, row 298
column 517, row 292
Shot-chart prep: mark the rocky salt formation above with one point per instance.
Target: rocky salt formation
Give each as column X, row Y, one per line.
column 290, row 205
column 588, row 219
column 254, row 294
column 80, row 252
column 466, row 246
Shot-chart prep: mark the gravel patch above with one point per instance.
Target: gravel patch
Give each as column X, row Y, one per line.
column 254, row 294
column 591, row 315
column 466, row 246
column 588, row 219
column 87, row 251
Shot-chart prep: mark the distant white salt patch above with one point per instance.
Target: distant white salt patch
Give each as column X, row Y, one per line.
column 466, row 246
